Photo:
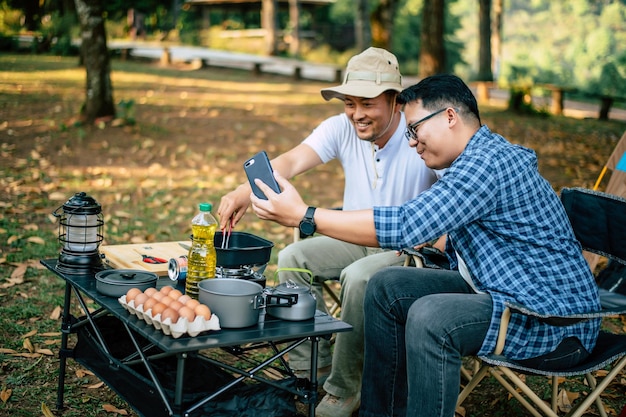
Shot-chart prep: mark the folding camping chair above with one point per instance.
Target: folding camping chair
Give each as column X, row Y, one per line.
column 599, row 222
column 616, row 164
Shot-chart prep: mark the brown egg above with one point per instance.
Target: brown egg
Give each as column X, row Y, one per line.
column 175, row 294
column 150, row 302
column 184, row 298
column 170, row 313
column 140, row 299
column 166, row 290
column 158, row 295
column 187, row 313
column 131, row 294
column 203, row 310
column 176, row 305
column 150, row 291
column 158, row 309
column 167, row 300
column 192, row 304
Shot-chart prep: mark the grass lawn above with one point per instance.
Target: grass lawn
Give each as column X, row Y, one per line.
column 192, row 132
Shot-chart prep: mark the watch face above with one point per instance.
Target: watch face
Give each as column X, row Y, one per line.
column 307, row 228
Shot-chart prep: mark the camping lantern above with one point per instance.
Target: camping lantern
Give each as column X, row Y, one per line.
column 80, row 233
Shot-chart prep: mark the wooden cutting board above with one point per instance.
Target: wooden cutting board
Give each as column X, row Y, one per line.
column 129, row 256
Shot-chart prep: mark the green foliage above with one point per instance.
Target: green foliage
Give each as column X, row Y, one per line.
column 576, row 43
column 9, row 19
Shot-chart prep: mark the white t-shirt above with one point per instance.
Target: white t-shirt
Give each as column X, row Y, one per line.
column 373, row 177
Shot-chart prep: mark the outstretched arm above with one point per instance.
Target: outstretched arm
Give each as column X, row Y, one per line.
column 288, row 208
column 233, row 205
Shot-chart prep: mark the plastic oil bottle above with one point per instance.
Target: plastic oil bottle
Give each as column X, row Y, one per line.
column 202, row 258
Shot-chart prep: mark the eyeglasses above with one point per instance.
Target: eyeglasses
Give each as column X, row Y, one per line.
column 411, row 130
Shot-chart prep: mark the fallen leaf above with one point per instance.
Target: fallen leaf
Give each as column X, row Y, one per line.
column 51, row 334
column 29, row 334
column 112, row 409
column 95, row 386
column 5, row 394
column 46, row 352
column 52, row 342
column 18, row 273
column 36, row 239
column 28, row 345
column 30, row 227
column 28, row 355
column 82, row 372
column 56, row 313
column 12, row 239
column 45, row 410
column 57, row 196
column 563, row 402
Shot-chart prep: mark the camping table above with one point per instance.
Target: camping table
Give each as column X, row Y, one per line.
column 280, row 335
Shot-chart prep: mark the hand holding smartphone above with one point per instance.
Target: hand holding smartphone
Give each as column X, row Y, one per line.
column 259, row 167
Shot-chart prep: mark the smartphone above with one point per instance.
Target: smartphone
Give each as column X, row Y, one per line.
column 259, row 167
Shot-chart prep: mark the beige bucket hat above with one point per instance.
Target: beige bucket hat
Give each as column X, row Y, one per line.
column 368, row 75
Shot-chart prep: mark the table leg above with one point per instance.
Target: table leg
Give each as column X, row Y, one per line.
column 180, row 376
column 313, row 373
column 66, row 325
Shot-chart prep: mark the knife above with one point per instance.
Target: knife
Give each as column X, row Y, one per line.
column 184, row 245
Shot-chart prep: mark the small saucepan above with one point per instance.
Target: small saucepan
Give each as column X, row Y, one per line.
column 117, row 282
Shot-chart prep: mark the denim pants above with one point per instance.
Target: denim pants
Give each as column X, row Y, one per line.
column 419, row 323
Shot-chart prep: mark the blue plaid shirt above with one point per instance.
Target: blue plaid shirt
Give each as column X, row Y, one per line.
column 509, row 226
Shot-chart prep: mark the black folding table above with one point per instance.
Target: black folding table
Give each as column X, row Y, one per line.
column 149, row 347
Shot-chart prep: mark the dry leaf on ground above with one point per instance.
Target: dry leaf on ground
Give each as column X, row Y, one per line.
column 5, row 394
column 112, row 409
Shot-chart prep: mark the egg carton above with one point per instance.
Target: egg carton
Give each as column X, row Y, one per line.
column 176, row 330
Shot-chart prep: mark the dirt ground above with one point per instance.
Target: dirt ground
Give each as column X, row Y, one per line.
column 192, row 131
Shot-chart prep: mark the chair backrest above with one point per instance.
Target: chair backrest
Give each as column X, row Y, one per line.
column 598, row 220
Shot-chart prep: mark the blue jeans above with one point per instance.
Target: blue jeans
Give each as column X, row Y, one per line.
column 419, row 323
column 398, row 302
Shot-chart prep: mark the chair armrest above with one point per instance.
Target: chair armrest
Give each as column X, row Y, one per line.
column 564, row 320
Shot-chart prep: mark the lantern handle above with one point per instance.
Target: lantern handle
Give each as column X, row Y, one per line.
column 55, row 212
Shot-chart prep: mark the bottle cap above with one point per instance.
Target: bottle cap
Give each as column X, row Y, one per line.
column 206, row 206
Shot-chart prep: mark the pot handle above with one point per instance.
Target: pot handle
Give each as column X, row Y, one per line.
column 305, row 271
column 258, row 302
column 291, row 299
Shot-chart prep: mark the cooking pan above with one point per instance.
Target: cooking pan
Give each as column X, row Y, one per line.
column 244, row 249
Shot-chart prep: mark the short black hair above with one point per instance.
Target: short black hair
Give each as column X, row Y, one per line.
column 439, row 91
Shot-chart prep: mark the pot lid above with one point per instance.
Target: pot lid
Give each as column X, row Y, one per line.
column 126, row 277
column 290, row 287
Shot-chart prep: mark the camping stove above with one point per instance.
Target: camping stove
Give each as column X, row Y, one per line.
column 243, row 272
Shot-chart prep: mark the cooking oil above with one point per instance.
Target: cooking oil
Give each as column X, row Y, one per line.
column 202, row 257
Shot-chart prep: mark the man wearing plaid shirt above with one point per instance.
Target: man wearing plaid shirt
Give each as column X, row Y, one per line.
column 509, row 239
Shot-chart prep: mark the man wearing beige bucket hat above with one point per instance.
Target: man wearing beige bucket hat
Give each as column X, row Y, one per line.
column 379, row 169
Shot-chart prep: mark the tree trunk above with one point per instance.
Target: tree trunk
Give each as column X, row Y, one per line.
column 268, row 22
column 484, row 30
column 99, row 97
column 362, row 28
column 32, row 14
column 382, row 23
column 496, row 38
column 432, row 59
column 294, row 23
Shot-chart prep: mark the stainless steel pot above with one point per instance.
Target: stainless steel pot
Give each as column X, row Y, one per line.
column 117, row 282
column 236, row 302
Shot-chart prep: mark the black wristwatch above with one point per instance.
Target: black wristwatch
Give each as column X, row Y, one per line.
column 307, row 224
